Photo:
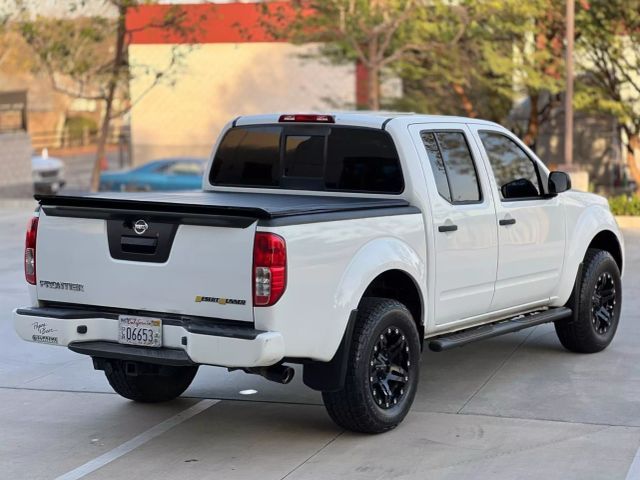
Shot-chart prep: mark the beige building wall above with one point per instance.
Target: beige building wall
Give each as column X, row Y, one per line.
column 222, row 81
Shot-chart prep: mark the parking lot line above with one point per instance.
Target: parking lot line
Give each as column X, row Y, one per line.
column 634, row 469
column 137, row 441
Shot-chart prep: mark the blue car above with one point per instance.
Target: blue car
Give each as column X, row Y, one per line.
column 165, row 174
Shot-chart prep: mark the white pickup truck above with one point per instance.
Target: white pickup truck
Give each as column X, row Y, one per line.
column 342, row 242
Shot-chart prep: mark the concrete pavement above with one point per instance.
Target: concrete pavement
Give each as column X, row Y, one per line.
column 518, row 406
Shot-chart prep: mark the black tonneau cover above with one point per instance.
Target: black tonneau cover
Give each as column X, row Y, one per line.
column 262, row 206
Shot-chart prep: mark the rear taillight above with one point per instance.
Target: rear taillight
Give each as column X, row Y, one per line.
column 30, row 251
column 269, row 269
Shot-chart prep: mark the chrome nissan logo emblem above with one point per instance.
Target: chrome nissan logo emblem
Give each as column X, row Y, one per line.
column 140, row 227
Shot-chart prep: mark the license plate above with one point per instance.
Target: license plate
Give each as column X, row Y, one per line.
column 143, row 331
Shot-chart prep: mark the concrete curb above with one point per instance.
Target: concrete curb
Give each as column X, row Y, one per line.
column 628, row 221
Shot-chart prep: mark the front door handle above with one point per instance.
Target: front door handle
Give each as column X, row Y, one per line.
column 507, row 221
column 447, row 228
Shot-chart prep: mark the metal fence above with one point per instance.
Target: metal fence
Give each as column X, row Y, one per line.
column 86, row 137
column 118, row 137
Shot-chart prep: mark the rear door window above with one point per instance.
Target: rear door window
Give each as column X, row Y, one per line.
column 185, row 168
column 452, row 166
column 437, row 164
column 336, row 158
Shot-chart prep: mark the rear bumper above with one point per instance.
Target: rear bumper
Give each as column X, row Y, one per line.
column 196, row 342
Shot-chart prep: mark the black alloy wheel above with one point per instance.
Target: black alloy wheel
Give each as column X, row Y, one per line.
column 603, row 302
column 382, row 371
column 390, row 367
column 596, row 302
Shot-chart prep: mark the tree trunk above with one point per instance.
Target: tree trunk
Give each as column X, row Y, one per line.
column 533, row 125
column 633, row 150
column 373, row 88
column 111, row 92
column 373, row 71
column 467, row 104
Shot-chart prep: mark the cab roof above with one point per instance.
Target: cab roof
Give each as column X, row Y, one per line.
column 371, row 119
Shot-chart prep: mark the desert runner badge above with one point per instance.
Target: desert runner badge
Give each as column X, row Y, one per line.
column 220, row 300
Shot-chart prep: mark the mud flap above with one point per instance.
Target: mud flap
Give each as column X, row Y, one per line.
column 329, row 376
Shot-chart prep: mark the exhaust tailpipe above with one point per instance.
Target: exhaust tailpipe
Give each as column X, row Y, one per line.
column 275, row 373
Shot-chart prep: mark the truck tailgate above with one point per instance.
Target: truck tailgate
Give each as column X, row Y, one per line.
column 176, row 265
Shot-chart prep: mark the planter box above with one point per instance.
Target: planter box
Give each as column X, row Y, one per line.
column 628, row 221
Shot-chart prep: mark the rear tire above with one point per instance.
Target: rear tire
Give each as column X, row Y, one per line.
column 596, row 307
column 159, row 383
column 382, row 372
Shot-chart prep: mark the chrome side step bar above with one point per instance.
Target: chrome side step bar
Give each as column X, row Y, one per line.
column 463, row 337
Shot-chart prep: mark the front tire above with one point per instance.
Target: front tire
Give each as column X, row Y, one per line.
column 596, row 305
column 382, row 372
column 151, row 383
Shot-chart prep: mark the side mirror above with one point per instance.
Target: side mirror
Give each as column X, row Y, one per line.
column 559, row 182
column 519, row 188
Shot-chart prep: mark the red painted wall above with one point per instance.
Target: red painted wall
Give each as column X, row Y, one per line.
column 204, row 23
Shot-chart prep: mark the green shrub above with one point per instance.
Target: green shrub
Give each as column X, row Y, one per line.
column 625, row 205
column 76, row 126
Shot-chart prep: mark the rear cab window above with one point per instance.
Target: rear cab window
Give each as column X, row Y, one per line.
column 332, row 158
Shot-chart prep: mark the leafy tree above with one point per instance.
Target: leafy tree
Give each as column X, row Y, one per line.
column 378, row 34
column 459, row 74
column 74, row 52
column 609, row 45
column 88, row 58
column 7, row 12
column 506, row 50
column 541, row 71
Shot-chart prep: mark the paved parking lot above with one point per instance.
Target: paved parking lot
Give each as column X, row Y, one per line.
column 516, row 407
column 78, row 166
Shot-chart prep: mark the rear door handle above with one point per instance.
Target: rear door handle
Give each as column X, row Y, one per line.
column 447, row 228
column 507, row 221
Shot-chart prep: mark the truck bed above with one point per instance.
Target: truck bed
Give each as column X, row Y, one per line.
column 189, row 246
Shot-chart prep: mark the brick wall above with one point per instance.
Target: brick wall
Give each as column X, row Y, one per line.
column 15, row 162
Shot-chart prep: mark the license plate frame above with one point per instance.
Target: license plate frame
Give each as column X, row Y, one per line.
column 140, row 331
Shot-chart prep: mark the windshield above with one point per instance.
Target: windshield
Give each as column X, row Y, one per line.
column 303, row 157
